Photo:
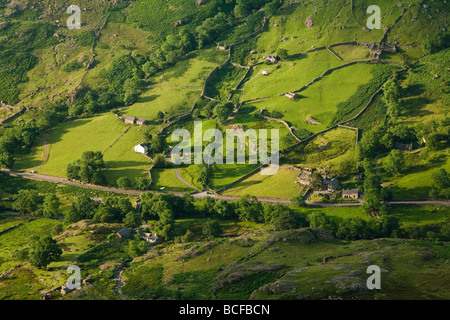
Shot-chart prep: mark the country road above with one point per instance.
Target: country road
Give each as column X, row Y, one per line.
column 201, row 195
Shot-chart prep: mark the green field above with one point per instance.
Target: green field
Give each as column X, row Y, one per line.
column 320, row 100
column 416, row 182
column 281, row 185
column 69, row 140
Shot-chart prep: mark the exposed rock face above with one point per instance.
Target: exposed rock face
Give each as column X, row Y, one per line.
column 309, row 22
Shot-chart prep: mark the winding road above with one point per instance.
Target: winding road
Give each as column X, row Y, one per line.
column 201, row 195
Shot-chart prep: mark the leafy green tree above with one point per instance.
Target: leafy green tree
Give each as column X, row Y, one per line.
column 132, row 220
column 221, row 113
column 6, row 160
column 386, row 194
column 282, row 53
column 43, row 251
column 320, row 220
column 204, row 173
column 72, row 216
column 298, row 201
column 208, row 206
column 212, row 228
column 248, row 208
column 371, row 202
column 105, row 214
column 26, row 201
column 141, row 183
column 440, row 179
column 224, row 209
column 316, row 181
column 389, row 224
column 160, row 116
column 395, row 162
column 85, row 207
column 167, row 232
column 208, row 109
column 284, row 220
column 88, row 169
column 158, row 144
column 272, row 7
column 124, row 183
column 137, row 246
column 372, row 182
column 159, row 161
column 51, row 206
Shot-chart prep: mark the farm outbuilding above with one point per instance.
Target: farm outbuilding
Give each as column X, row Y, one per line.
column 350, row 194
column 130, row 120
column 141, row 148
column 222, row 47
column 124, row 233
column 141, row 121
column 291, row 95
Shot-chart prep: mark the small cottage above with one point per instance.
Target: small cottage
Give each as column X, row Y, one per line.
column 149, row 237
column 141, row 148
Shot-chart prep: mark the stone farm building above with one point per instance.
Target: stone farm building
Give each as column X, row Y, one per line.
column 130, row 120
column 141, row 121
column 124, row 233
column 350, row 194
column 291, row 95
column 222, row 47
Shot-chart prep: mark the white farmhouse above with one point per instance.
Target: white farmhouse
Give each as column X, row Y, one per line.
column 141, row 148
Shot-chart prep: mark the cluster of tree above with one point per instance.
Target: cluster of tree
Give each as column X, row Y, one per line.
column 218, row 111
column 433, row 133
column 157, row 143
column 245, row 7
column 392, row 94
column 441, row 185
column 41, row 251
column 20, row 137
column 88, row 169
column 436, row 42
column 139, row 183
column 30, row 201
column 14, row 139
column 204, row 174
column 384, row 138
column 110, row 210
column 372, row 188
